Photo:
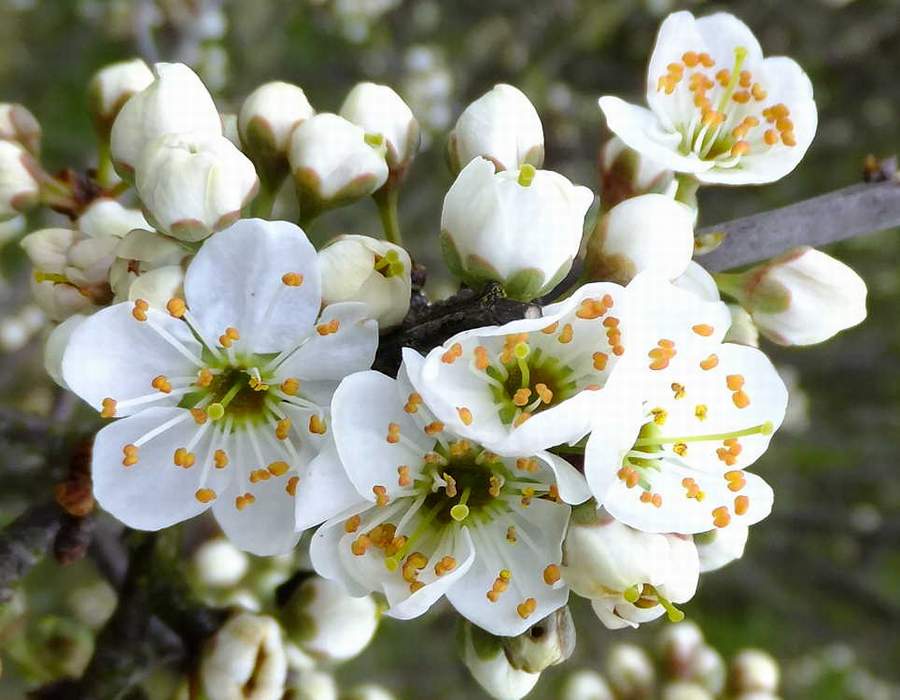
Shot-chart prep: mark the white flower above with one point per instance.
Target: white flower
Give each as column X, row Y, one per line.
column 176, row 101
column 801, row 297
column 224, row 399
column 484, row 656
column 368, row 270
column 335, row 162
column 586, row 685
column 520, row 227
column 245, row 660
column 503, row 126
column 380, row 110
column 753, row 670
column 327, row 623
column 193, row 184
column 219, row 564
column 720, row 547
column 531, row 384
column 148, row 266
column 112, row 86
column 440, row 514
column 649, row 232
column 718, row 109
column 267, row 118
column 55, row 347
column 674, row 461
column 107, row 217
column 630, row 576
column 19, row 188
column 625, row 173
column 19, row 125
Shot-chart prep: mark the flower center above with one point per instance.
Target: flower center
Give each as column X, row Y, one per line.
column 238, row 392
column 728, row 120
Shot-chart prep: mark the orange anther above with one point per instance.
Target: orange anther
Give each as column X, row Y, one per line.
column 721, row 516
column 352, row 524
column 381, row 495
column 316, row 425
column 741, row 505
column 740, row 399
column 709, row 362
column 452, row 354
column 734, row 381
column 205, row 495
column 108, row 409
column 291, row 486
column 279, row 468
column 290, row 386
column 552, row 574
column 328, row 328
column 566, row 335
column 292, row 279
column 465, row 415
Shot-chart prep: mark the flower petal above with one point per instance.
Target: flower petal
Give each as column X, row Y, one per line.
column 324, row 490
column 113, row 355
column 572, row 487
column 236, row 281
column 333, row 354
column 539, row 531
column 153, row 493
column 324, row 550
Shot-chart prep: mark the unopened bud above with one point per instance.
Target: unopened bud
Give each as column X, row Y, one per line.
column 107, row 217
column 111, row 87
column 368, row 270
column 502, row 126
column 326, row 622
column 19, row 125
column 630, row 672
column 677, row 644
column 219, row 564
column 626, row 173
column 650, row 232
column 800, row 298
column 586, row 685
column 368, row 691
column 708, row 669
column 313, row 685
column 245, row 660
column 546, row 643
column 684, row 690
column 483, row 655
column 19, row 188
column 753, row 670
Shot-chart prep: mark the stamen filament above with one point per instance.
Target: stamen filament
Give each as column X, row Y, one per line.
column 761, row 429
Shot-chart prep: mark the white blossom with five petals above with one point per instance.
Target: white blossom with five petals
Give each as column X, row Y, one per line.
column 718, row 109
column 224, row 399
column 438, row 514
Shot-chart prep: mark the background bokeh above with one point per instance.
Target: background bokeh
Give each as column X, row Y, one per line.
column 820, row 583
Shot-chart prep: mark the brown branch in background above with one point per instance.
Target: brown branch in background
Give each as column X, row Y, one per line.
column 836, row 216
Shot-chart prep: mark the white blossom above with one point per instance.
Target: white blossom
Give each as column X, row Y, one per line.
column 19, row 187
column 520, row 227
column 148, row 266
column 193, row 184
column 674, row 461
column 649, row 232
column 718, row 109
column 502, row 126
column 225, row 398
column 801, row 297
column 378, row 109
column 438, row 514
column 176, row 101
column 112, row 86
column 367, row 270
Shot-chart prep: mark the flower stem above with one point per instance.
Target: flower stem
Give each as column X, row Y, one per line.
column 106, row 174
column 264, row 202
column 687, row 189
column 386, row 198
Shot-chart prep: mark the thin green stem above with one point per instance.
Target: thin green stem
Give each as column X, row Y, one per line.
column 386, row 198
column 264, row 202
column 106, row 174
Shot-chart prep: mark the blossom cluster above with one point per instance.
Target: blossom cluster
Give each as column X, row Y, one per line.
column 600, row 447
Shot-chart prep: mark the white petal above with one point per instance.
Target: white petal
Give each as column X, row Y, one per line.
column 677, row 34
column 540, row 530
column 324, row 490
column 324, row 550
column 236, row 281
column 114, row 355
column 55, row 347
column 336, row 354
column 641, row 130
column 154, row 493
column 572, row 487
column 605, row 610
column 364, row 406
column 612, row 436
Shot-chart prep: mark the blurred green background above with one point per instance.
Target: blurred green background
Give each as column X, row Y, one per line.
column 823, row 572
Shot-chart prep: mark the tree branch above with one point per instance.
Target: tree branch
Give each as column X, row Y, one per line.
column 845, row 213
column 24, row 542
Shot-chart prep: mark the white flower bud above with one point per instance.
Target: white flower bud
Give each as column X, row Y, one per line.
column 148, row 266
column 630, row 672
column 93, row 604
column 59, row 300
column 175, row 102
column 519, row 227
column 19, row 188
column 650, row 232
column 503, row 126
column 696, row 280
column 11, row 228
column 708, row 669
column 335, row 162
column 380, row 110
column 648, row 571
column 626, row 173
column 742, row 330
column 684, row 690
column 55, row 346
column 753, row 670
column 267, row 118
column 314, row 685
column 48, row 248
column 719, row 547
column 677, row 645
column 19, row 125
column 586, row 685
column 193, row 184
column 800, row 298
column 112, row 86
column 107, row 217
column 326, row 622
column 219, row 564
column 483, row 655
column 368, row 691
column 368, row 270
column 245, row 660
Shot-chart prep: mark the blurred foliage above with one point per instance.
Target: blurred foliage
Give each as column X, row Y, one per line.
column 825, row 567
